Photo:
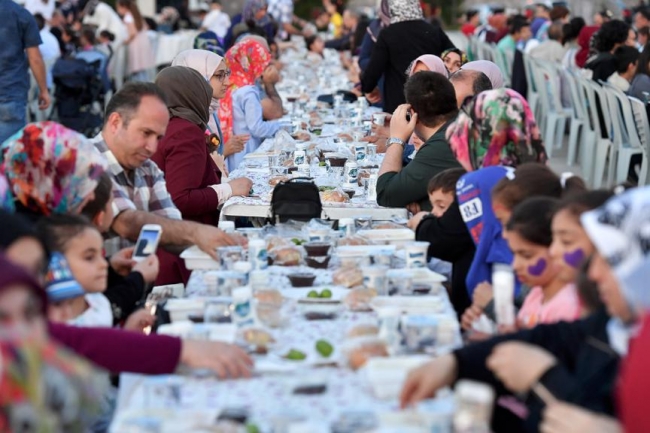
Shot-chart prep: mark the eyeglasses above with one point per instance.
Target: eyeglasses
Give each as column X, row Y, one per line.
column 222, row 75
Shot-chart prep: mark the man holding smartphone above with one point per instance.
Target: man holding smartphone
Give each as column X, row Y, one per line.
column 431, row 107
column 136, row 119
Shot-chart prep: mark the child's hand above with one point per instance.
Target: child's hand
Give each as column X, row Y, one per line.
column 414, row 222
column 469, row 316
column 149, row 268
column 483, row 294
column 122, row 261
column 139, row 320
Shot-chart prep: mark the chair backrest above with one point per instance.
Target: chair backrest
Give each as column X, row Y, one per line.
column 528, row 67
column 553, row 85
column 540, row 79
column 618, row 134
column 629, row 124
column 642, row 123
column 577, row 102
column 590, row 94
column 604, row 107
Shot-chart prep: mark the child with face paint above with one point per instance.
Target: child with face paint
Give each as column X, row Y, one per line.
column 551, row 298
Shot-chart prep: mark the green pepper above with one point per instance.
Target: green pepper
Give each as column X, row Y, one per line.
column 324, row 348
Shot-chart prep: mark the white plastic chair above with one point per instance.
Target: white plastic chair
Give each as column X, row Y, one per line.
column 579, row 117
column 533, row 95
column 604, row 146
column 643, row 129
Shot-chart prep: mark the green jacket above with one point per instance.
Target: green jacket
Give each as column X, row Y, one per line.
column 410, row 184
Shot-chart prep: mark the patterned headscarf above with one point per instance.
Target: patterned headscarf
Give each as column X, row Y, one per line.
column 247, row 61
column 620, row 231
column 404, row 10
column 463, row 56
column 51, row 169
column 497, row 127
column 433, row 64
column 251, row 7
column 6, row 198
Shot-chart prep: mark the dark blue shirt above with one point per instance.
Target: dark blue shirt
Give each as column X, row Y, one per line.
column 18, row 31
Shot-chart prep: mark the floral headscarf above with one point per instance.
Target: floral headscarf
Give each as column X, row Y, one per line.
column 50, row 169
column 247, row 61
column 404, row 10
column 6, row 198
column 497, row 127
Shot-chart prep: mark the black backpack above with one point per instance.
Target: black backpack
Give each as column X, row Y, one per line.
column 296, row 199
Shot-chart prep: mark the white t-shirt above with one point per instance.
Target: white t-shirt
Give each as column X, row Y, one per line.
column 98, row 314
column 218, row 22
column 50, row 51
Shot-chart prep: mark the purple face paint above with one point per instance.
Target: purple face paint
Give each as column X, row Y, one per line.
column 538, row 268
column 575, row 258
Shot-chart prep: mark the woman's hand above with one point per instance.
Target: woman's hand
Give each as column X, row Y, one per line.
column 519, row 365
column 235, row 144
column 562, row 417
column 423, row 382
column 227, row 360
column 483, row 294
column 149, row 268
column 139, row 320
column 122, row 261
column 241, row 186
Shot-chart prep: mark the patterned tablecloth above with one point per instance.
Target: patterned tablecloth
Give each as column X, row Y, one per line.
column 268, row 398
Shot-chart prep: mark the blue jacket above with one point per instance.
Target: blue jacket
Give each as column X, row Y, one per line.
column 473, row 192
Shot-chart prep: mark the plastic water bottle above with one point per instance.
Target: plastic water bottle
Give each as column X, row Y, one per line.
column 503, row 285
column 242, row 298
column 474, row 402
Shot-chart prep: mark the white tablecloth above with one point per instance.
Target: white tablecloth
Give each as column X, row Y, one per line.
column 170, row 45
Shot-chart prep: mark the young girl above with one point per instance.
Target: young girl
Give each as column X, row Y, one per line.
column 551, row 298
column 82, row 246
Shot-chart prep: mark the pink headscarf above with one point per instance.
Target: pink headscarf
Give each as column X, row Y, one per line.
column 433, row 63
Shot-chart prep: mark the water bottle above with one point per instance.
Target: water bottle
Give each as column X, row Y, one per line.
column 474, row 402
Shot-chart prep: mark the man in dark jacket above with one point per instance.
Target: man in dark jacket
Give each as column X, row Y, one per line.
column 431, row 107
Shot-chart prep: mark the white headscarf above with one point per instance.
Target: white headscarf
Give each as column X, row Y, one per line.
column 404, row 10
column 490, row 69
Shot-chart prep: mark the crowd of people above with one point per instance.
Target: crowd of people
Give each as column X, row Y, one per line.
column 461, row 152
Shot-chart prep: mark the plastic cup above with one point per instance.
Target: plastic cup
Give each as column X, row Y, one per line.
column 416, row 254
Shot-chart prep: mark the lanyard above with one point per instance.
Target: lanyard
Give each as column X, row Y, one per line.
column 216, row 121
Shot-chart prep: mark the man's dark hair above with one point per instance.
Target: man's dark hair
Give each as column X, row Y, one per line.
column 445, row 180
column 644, row 61
column 108, row 35
column 471, row 14
column 102, row 196
column 559, row 12
column 127, row 100
column 555, row 31
column 432, row 97
column 644, row 31
column 40, row 21
column 644, row 12
column 624, row 57
column 517, row 22
column 480, row 81
column 611, row 33
column 89, row 35
column 571, row 30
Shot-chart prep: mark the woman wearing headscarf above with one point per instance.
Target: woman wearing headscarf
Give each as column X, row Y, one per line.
column 255, row 17
column 193, row 178
column 454, row 59
column 391, row 56
column 490, row 69
column 44, row 388
column 428, row 62
column 567, row 372
column 240, row 111
column 497, row 127
column 50, row 169
column 213, row 69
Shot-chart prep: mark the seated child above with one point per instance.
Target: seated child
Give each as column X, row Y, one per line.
column 81, row 244
column 442, row 193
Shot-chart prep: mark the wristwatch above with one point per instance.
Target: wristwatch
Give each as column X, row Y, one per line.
column 394, row 140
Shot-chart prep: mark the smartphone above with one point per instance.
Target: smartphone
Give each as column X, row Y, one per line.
column 147, row 241
column 408, row 116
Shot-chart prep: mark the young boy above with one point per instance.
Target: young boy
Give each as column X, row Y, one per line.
column 442, row 192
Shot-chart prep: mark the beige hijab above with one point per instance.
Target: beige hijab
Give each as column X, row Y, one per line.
column 203, row 61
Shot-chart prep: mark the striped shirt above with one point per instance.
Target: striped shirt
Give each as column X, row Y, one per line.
column 142, row 189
